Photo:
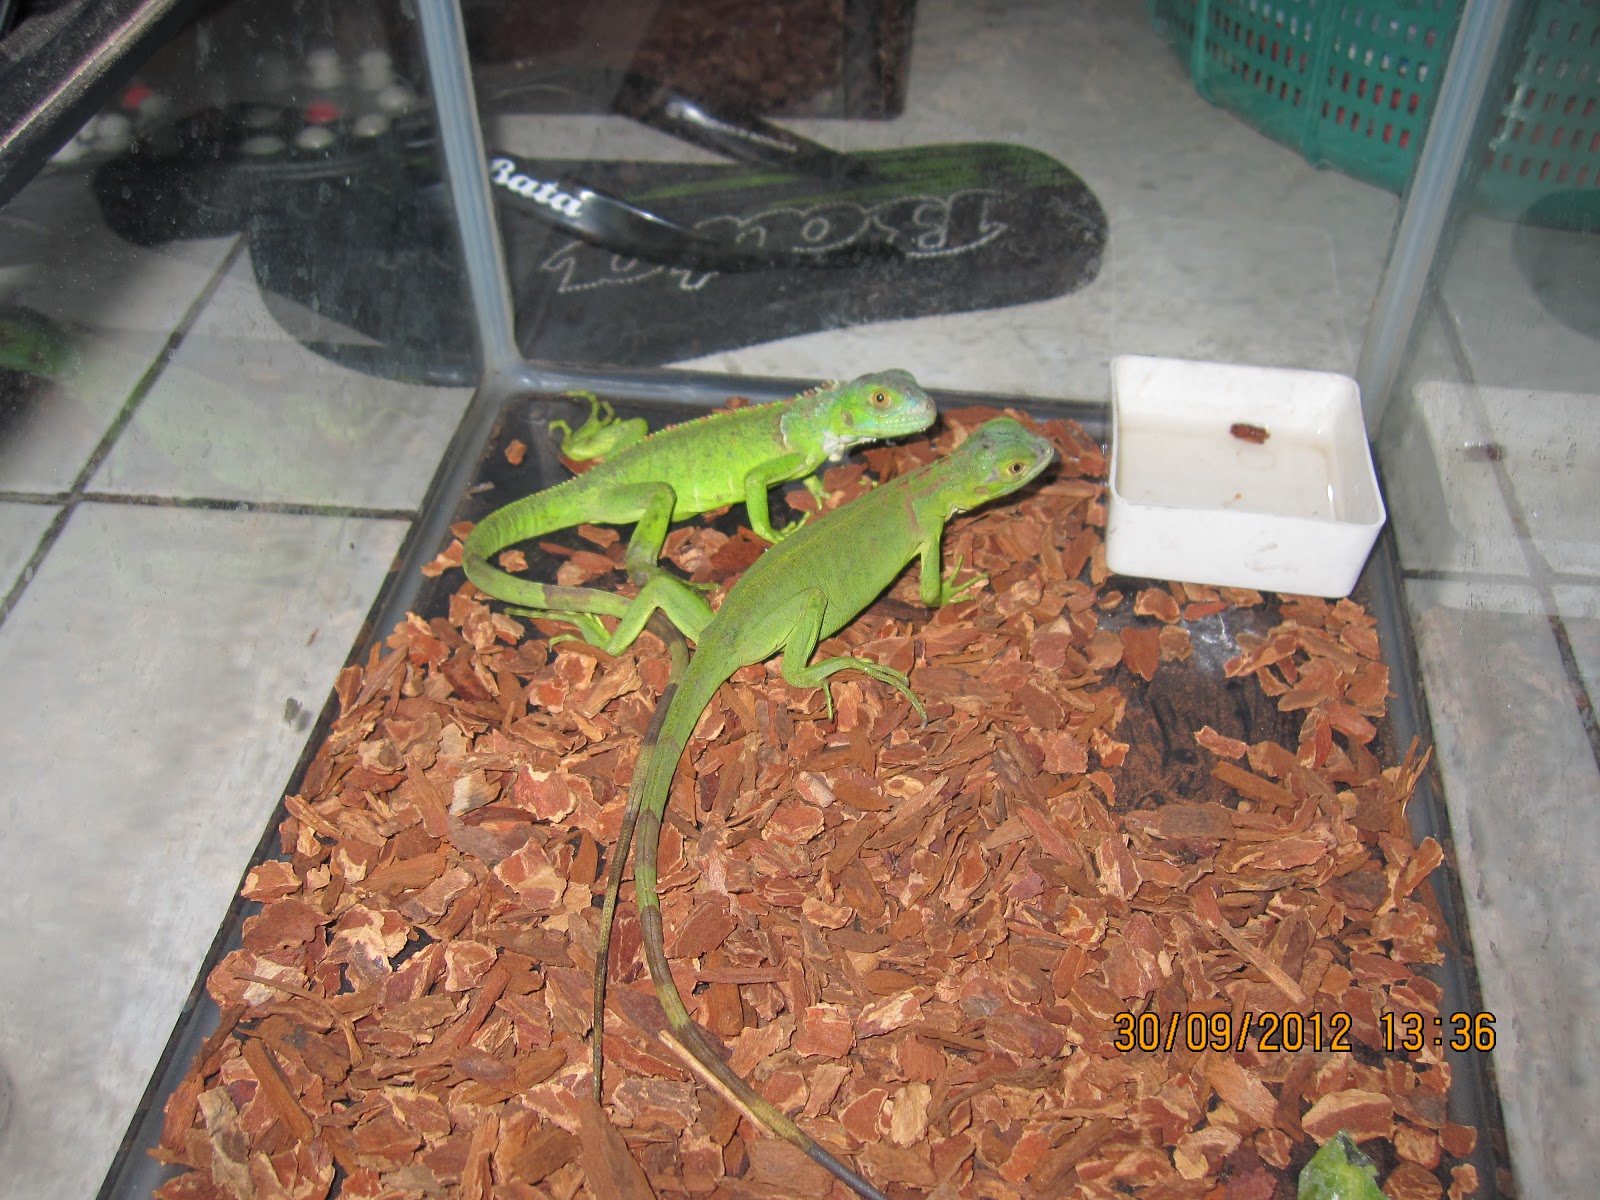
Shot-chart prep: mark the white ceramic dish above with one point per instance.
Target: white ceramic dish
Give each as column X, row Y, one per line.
column 1199, row 495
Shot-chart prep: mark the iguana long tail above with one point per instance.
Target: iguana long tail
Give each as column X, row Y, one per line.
column 664, row 743
column 531, row 517
column 614, row 873
column 786, row 603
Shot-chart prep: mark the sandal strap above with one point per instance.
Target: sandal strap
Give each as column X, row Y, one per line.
column 739, row 134
column 624, row 228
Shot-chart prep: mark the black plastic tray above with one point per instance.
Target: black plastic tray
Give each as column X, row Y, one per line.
column 475, row 478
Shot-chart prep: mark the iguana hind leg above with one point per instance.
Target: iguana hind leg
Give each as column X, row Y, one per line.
column 665, row 594
column 650, row 507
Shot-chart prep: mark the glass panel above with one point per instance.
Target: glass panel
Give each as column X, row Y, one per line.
column 239, row 344
column 196, row 512
column 1032, row 192
column 1490, row 461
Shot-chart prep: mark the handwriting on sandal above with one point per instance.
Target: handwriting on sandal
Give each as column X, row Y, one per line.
column 920, row 227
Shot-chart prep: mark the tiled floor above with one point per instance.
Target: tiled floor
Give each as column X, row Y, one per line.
column 194, row 522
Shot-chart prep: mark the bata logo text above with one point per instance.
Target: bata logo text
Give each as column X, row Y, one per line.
column 503, row 173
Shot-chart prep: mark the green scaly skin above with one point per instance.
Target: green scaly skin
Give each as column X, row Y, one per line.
column 601, row 434
column 1339, row 1172
column 715, row 460
column 808, row 587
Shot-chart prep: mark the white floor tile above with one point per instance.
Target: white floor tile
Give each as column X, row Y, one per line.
column 54, row 429
column 1245, row 291
column 61, row 259
column 244, row 413
column 1442, row 485
column 1510, row 336
column 1455, row 454
column 1549, row 451
column 21, row 526
column 158, row 676
column 1491, row 597
column 112, row 304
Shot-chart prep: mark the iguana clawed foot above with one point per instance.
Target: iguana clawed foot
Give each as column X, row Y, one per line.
column 786, row 530
column 813, row 485
column 641, row 573
column 949, row 593
column 895, row 679
column 589, row 627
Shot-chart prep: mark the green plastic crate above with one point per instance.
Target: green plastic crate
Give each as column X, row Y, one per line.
column 1352, row 84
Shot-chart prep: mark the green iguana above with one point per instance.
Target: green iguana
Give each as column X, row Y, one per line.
column 602, row 434
column 690, row 468
column 1339, row 1171
column 806, row 588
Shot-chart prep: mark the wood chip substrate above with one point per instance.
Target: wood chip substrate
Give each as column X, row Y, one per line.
column 1137, row 912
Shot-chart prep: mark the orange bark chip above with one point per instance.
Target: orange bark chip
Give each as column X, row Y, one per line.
column 1220, row 744
column 1362, row 1114
column 1141, row 650
column 1157, row 603
column 1065, row 754
column 1409, row 1181
column 1459, row 1140
column 1241, row 1089
column 826, row 1030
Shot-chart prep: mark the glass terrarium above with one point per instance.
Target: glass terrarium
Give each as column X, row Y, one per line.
column 436, row 432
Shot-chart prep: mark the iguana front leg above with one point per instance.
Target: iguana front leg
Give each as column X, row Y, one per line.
column 813, row 484
column 655, row 503
column 758, row 483
column 801, row 643
column 936, row 589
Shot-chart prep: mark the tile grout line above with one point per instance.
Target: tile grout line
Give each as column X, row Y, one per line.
column 1585, row 702
column 78, row 491
column 1459, row 575
column 1541, row 576
column 292, row 508
column 141, row 389
column 154, row 372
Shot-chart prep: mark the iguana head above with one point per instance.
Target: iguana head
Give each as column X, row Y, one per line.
column 884, row 404
column 1000, row 457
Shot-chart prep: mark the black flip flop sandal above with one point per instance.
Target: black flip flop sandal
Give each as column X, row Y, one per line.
column 622, row 263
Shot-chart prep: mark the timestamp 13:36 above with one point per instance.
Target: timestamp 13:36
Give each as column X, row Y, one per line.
column 1291, row 1032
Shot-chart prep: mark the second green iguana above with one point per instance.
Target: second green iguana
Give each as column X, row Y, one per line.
column 809, row 586
column 651, row 480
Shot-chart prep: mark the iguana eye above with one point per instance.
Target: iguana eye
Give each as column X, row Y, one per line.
column 1015, row 467
column 879, row 399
